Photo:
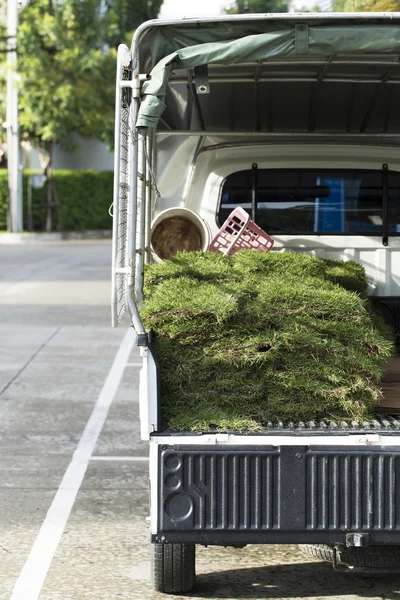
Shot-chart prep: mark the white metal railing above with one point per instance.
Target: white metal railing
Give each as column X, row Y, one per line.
column 129, row 199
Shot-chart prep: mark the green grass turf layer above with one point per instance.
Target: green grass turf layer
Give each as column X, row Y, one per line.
column 255, row 337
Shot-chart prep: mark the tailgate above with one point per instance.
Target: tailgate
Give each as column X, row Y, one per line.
column 278, row 494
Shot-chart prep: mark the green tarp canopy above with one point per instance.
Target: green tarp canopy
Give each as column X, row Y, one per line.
column 283, row 40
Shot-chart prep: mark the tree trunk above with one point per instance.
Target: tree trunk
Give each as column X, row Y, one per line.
column 49, row 201
column 57, row 205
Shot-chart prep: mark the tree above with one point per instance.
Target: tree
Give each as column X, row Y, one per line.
column 124, row 16
column 3, row 77
column 366, row 5
column 383, row 6
column 3, row 16
column 67, row 78
column 66, row 67
column 257, row 6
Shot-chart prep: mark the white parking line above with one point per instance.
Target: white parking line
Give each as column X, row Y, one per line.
column 121, row 458
column 33, row 574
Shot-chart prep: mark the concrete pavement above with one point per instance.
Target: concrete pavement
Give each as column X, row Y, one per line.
column 56, row 351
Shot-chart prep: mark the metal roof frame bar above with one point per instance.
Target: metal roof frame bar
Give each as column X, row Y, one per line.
column 390, row 17
column 276, row 134
column 295, row 79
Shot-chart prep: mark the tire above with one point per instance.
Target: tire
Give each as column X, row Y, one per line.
column 320, row 551
column 174, row 568
column 372, row 557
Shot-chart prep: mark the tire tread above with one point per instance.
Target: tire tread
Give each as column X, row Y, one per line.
column 373, row 557
column 173, row 568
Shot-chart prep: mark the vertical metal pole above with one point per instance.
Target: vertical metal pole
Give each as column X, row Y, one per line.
column 149, row 190
column 154, row 157
column 30, row 227
column 142, row 339
column 140, row 223
column 254, row 184
column 133, row 188
column 133, row 172
column 316, row 209
column 13, row 147
column 122, row 50
column 385, row 186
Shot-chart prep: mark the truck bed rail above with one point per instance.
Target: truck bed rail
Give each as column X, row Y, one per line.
column 388, row 424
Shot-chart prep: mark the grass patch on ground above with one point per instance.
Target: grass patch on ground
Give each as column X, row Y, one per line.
column 255, row 337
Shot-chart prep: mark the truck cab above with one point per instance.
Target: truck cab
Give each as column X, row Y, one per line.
column 294, row 118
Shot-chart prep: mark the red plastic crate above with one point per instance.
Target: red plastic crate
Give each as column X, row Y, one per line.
column 239, row 232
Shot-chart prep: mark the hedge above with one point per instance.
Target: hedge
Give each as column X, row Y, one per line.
column 3, row 199
column 85, row 197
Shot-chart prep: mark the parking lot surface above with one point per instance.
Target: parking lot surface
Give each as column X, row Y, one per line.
column 73, row 487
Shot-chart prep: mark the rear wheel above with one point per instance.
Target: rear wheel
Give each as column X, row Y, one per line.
column 371, row 557
column 174, row 568
column 320, row 551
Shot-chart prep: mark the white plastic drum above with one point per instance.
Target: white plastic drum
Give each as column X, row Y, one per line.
column 178, row 230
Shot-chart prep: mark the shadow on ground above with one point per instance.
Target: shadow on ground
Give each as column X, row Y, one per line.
column 298, row 580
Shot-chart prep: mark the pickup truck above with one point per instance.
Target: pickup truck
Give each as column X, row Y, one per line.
column 294, row 118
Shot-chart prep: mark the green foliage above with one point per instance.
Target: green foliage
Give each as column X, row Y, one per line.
column 124, row 16
column 3, row 28
column 257, row 6
column 85, row 197
column 67, row 73
column 366, row 5
column 66, row 66
column 382, row 6
column 3, row 55
column 3, row 198
column 263, row 336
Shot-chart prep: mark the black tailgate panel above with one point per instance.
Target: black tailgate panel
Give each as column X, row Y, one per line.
column 278, row 494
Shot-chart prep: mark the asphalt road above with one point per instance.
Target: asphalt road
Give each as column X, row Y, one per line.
column 73, row 472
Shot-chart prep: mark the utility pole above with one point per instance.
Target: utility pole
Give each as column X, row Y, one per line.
column 13, row 147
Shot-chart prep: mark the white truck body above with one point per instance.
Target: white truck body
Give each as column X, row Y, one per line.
column 325, row 97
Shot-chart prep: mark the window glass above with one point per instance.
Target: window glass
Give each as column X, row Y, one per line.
column 315, row 201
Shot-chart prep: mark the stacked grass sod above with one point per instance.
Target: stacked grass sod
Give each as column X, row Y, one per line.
column 259, row 337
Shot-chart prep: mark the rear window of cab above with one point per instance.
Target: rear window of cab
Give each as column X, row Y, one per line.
column 319, row 202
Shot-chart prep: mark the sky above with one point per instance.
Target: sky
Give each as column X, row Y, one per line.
column 207, row 8
column 190, row 8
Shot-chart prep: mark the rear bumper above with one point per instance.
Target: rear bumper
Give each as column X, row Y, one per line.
column 277, row 494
